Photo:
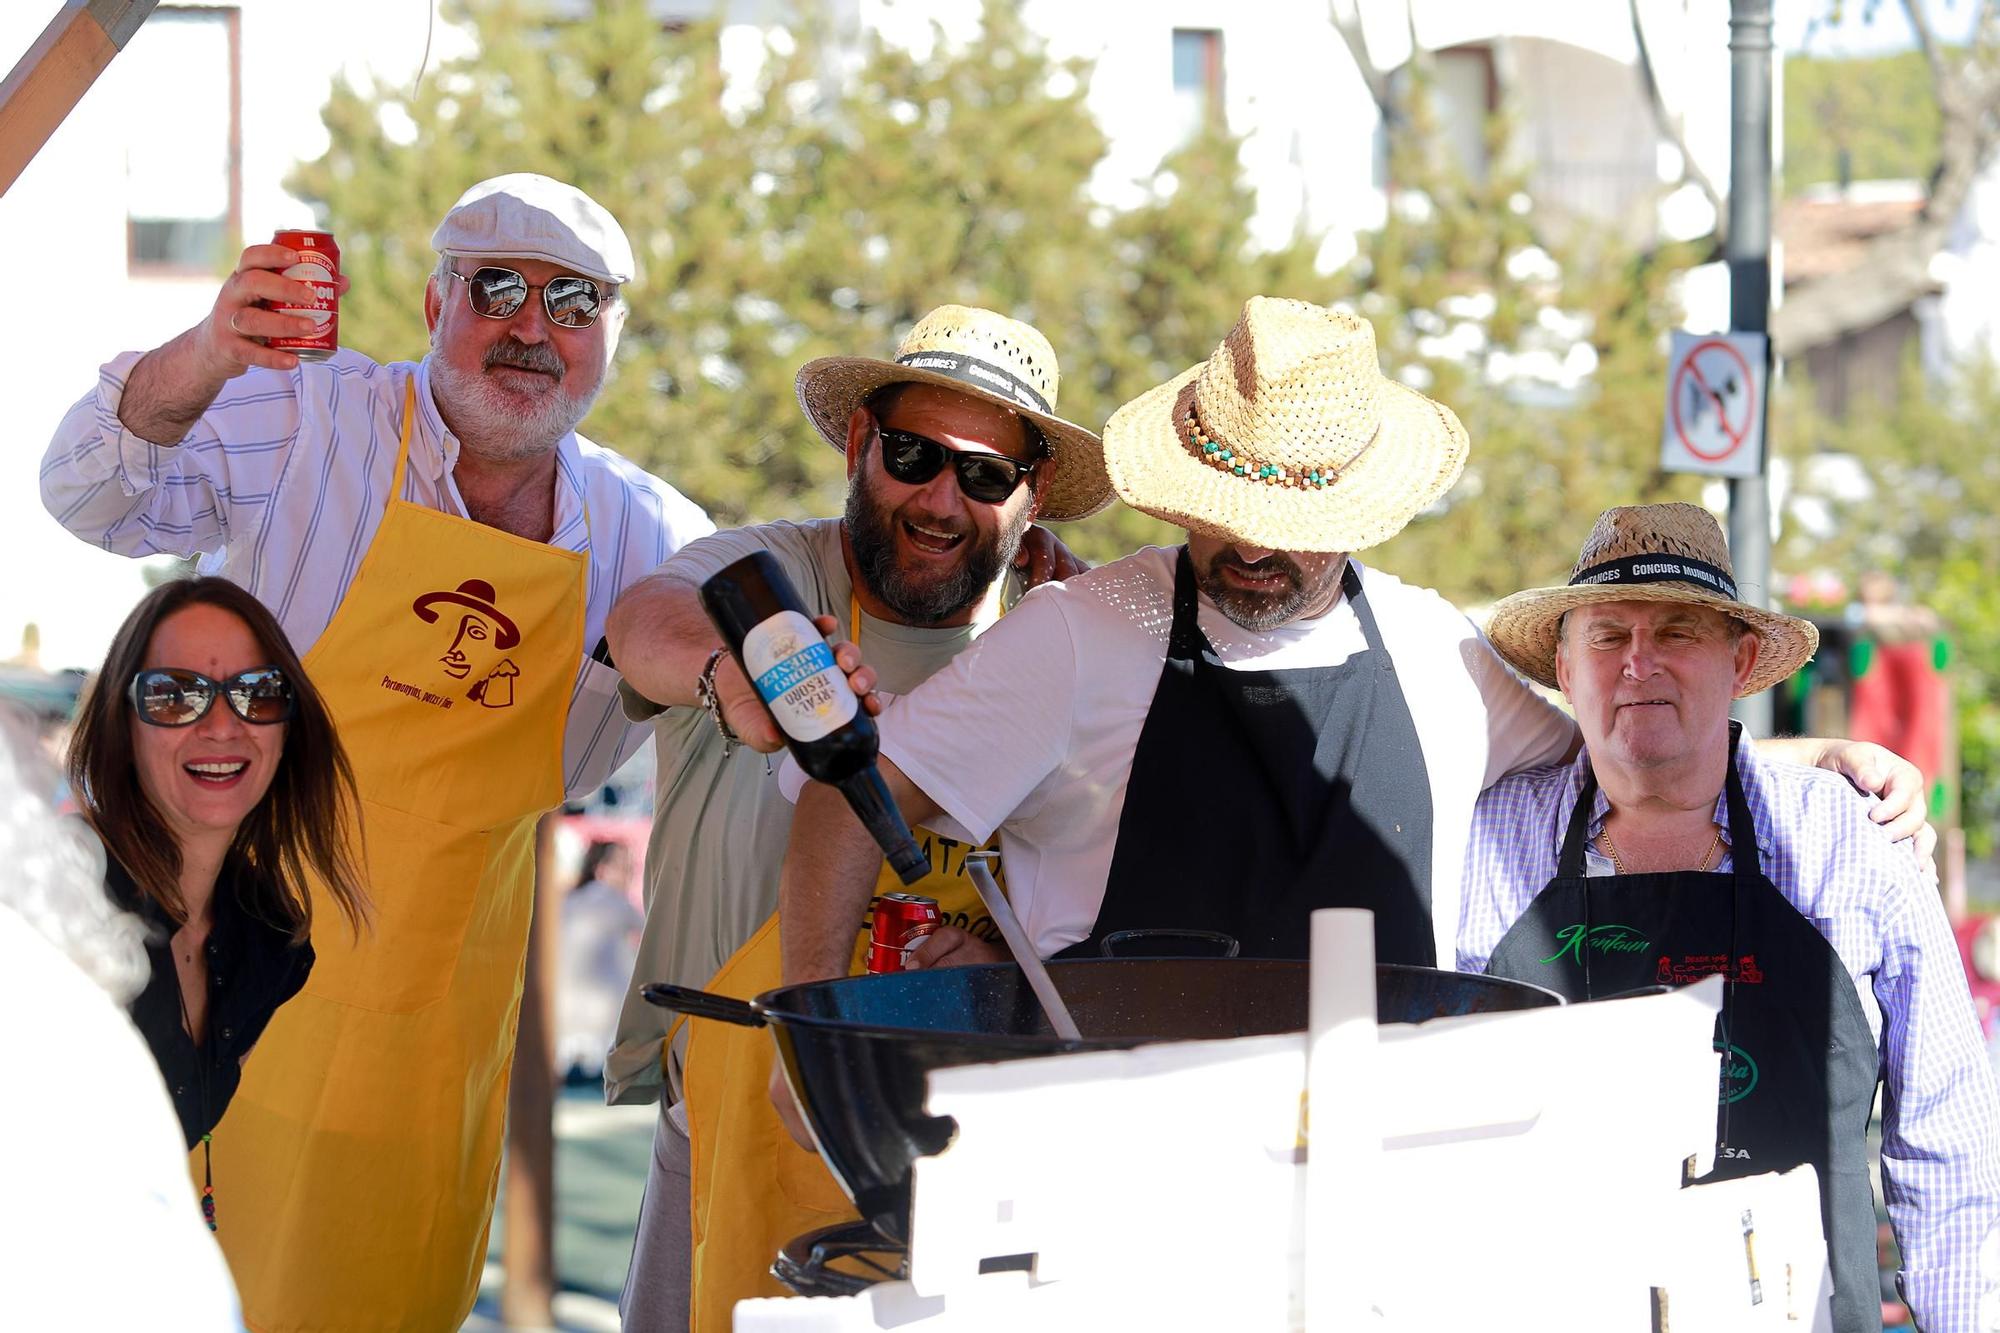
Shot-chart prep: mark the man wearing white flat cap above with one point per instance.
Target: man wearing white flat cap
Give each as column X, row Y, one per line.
column 443, row 549
column 1223, row 736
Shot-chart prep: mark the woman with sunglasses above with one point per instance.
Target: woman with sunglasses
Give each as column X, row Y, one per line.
column 209, row 767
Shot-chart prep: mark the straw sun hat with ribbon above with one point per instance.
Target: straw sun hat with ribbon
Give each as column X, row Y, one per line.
column 1290, row 437
column 1648, row 553
column 988, row 356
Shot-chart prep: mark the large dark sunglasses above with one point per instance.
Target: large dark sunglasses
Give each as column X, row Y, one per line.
column 174, row 697
column 499, row 293
column 915, row 459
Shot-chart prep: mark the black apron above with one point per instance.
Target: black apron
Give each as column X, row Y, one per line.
column 1799, row 1062
column 1248, row 806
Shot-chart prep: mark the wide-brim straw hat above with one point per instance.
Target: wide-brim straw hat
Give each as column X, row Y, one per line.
column 985, row 355
column 1290, row 437
column 1648, row 553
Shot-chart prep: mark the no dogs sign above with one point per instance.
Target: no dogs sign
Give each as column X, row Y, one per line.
column 1715, row 405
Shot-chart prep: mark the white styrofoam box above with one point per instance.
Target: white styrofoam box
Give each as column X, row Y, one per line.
column 1519, row 1150
column 1706, row 1267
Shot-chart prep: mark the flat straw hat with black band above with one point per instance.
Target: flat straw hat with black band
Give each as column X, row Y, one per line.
column 985, row 355
column 1289, row 437
column 1648, row 553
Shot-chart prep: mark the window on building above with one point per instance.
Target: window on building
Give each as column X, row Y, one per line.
column 183, row 181
column 1467, row 94
column 1197, row 79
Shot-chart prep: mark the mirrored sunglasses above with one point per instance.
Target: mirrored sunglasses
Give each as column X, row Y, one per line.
column 498, row 293
column 174, row 697
column 914, row 459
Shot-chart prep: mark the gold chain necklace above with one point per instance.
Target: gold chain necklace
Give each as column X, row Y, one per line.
column 1618, row 866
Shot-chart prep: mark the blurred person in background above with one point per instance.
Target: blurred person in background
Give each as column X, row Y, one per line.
column 600, row 942
column 208, row 765
column 102, row 1228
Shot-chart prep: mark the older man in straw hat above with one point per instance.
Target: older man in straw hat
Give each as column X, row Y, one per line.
column 1669, row 850
column 952, row 447
column 444, row 549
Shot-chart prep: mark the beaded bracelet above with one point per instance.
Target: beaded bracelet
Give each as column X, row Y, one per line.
column 704, row 690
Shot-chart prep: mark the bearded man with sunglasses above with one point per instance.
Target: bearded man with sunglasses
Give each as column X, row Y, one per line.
column 444, row 550
column 952, row 447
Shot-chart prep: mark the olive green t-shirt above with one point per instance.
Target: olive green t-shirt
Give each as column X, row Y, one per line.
column 720, row 825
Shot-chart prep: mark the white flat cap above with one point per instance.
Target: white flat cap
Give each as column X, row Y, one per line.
column 525, row 216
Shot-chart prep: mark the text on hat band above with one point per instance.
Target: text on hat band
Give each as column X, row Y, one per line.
column 981, row 375
column 1659, row 569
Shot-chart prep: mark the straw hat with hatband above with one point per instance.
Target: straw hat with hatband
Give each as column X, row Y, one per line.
column 1290, row 437
column 989, row 356
column 1648, row 553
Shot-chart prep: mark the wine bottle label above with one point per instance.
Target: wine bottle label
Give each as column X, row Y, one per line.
column 795, row 673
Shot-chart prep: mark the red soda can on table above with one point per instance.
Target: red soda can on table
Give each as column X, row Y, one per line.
column 318, row 266
column 901, row 919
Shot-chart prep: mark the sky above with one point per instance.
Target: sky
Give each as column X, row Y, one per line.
column 1803, row 25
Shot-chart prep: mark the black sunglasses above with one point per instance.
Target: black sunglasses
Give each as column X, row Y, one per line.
column 499, row 293
column 175, row 697
column 914, row 459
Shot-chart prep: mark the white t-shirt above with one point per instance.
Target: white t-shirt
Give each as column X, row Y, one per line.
column 1032, row 729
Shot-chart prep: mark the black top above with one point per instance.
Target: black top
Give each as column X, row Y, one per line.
column 253, row 967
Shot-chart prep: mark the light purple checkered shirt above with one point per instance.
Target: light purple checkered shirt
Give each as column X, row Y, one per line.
column 282, row 483
column 1870, row 899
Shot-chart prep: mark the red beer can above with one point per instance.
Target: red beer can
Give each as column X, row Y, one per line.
column 901, row 919
column 318, row 266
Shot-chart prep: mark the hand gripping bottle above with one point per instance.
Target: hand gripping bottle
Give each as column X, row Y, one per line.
column 769, row 631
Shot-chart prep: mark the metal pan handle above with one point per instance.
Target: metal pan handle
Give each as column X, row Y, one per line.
column 701, row 1004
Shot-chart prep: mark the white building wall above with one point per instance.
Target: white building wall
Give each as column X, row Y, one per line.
column 62, row 225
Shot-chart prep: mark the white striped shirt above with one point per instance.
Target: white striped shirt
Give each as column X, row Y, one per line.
column 1867, row 896
column 282, row 483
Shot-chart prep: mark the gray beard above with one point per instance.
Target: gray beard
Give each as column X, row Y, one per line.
column 488, row 424
column 1261, row 612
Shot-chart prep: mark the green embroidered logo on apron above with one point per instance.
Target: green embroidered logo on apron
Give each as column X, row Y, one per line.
column 1573, row 940
column 1739, row 1074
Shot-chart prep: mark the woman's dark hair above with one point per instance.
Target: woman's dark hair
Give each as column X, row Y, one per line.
column 301, row 829
column 594, row 858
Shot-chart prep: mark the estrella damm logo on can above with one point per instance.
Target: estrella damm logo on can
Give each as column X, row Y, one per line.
column 900, row 920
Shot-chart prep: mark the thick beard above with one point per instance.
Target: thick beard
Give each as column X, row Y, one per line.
column 871, row 532
column 490, row 424
column 1260, row 612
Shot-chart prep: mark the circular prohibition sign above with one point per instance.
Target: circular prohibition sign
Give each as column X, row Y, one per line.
column 1735, row 433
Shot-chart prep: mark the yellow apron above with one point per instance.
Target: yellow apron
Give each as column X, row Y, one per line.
column 752, row 1189
column 356, row 1168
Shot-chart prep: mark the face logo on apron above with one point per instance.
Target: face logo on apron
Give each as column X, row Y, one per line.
column 1571, row 941
column 1739, row 1074
column 476, row 621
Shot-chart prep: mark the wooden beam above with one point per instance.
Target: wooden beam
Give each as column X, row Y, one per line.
column 48, row 82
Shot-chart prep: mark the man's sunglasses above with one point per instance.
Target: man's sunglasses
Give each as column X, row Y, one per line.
column 499, row 293
column 174, row 697
column 915, row 459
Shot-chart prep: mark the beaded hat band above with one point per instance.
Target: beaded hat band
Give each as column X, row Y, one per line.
column 1289, row 437
column 1224, row 458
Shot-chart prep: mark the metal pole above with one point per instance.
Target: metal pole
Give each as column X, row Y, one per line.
column 1748, row 251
